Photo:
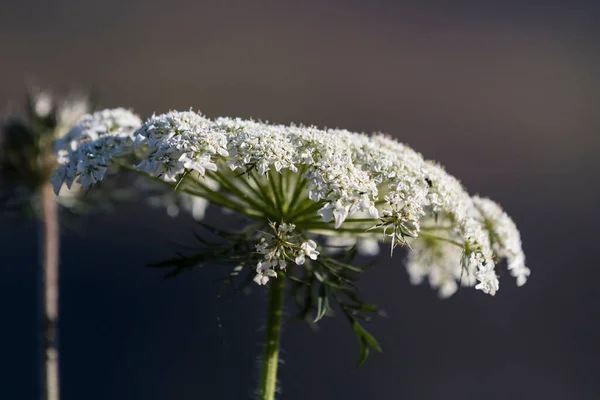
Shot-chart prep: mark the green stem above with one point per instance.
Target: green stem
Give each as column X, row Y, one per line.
column 263, row 190
column 436, row 228
column 270, row 360
column 300, row 186
column 228, row 185
column 219, row 199
column 282, row 192
column 317, row 219
column 276, row 195
column 305, row 212
column 199, row 189
column 331, row 228
column 245, row 180
column 440, row 238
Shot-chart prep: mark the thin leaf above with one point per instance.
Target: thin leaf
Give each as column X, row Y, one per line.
column 322, row 303
column 366, row 341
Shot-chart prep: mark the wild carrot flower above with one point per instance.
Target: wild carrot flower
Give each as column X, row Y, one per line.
column 314, row 196
column 331, row 183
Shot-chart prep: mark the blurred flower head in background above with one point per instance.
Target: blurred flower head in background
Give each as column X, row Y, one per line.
column 26, row 146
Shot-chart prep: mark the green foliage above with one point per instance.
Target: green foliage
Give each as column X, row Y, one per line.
column 329, row 279
column 318, row 287
column 227, row 248
column 366, row 341
column 26, row 157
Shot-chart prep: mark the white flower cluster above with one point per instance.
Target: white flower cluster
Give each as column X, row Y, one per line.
column 179, row 142
column 398, row 171
column 279, row 248
column 326, row 161
column 87, row 150
column 439, row 262
column 350, row 177
column 505, row 237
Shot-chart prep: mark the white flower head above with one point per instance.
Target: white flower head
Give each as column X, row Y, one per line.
column 87, row 150
column 312, row 181
column 279, row 248
column 307, row 249
column 440, row 263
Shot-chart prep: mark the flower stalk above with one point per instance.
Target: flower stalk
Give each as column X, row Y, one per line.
column 270, row 360
column 27, row 160
column 50, row 260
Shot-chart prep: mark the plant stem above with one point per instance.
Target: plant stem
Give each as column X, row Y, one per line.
column 440, row 238
column 300, row 185
column 50, row 248
column 262, row 190
column 270, row 360
column 276, row 195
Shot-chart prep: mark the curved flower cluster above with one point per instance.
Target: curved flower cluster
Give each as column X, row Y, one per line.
column 86, row 151
column 504, row 236
column 178, row 142
column 439, row 262
column 336, row 181
column 279, row 248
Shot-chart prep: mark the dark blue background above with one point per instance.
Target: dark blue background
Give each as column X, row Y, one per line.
column 505, row 96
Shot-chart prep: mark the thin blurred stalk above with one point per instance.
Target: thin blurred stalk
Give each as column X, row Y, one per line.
column 50, row 260
column 27, row 160
column 270, row 361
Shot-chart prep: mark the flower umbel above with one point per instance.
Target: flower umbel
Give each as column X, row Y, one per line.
column 311, row 199
column 279, row 248
column 314, row 182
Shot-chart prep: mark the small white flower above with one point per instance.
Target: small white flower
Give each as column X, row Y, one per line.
column 263, row 275
column 87, row 149
column 307, row 249
column 488, row 281
column 310, row 249
column 43, row 104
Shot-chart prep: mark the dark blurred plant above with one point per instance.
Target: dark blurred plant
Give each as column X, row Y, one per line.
column 26, row 148
column 26, row 163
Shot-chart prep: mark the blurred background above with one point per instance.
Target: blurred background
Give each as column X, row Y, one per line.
column 504, row 94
